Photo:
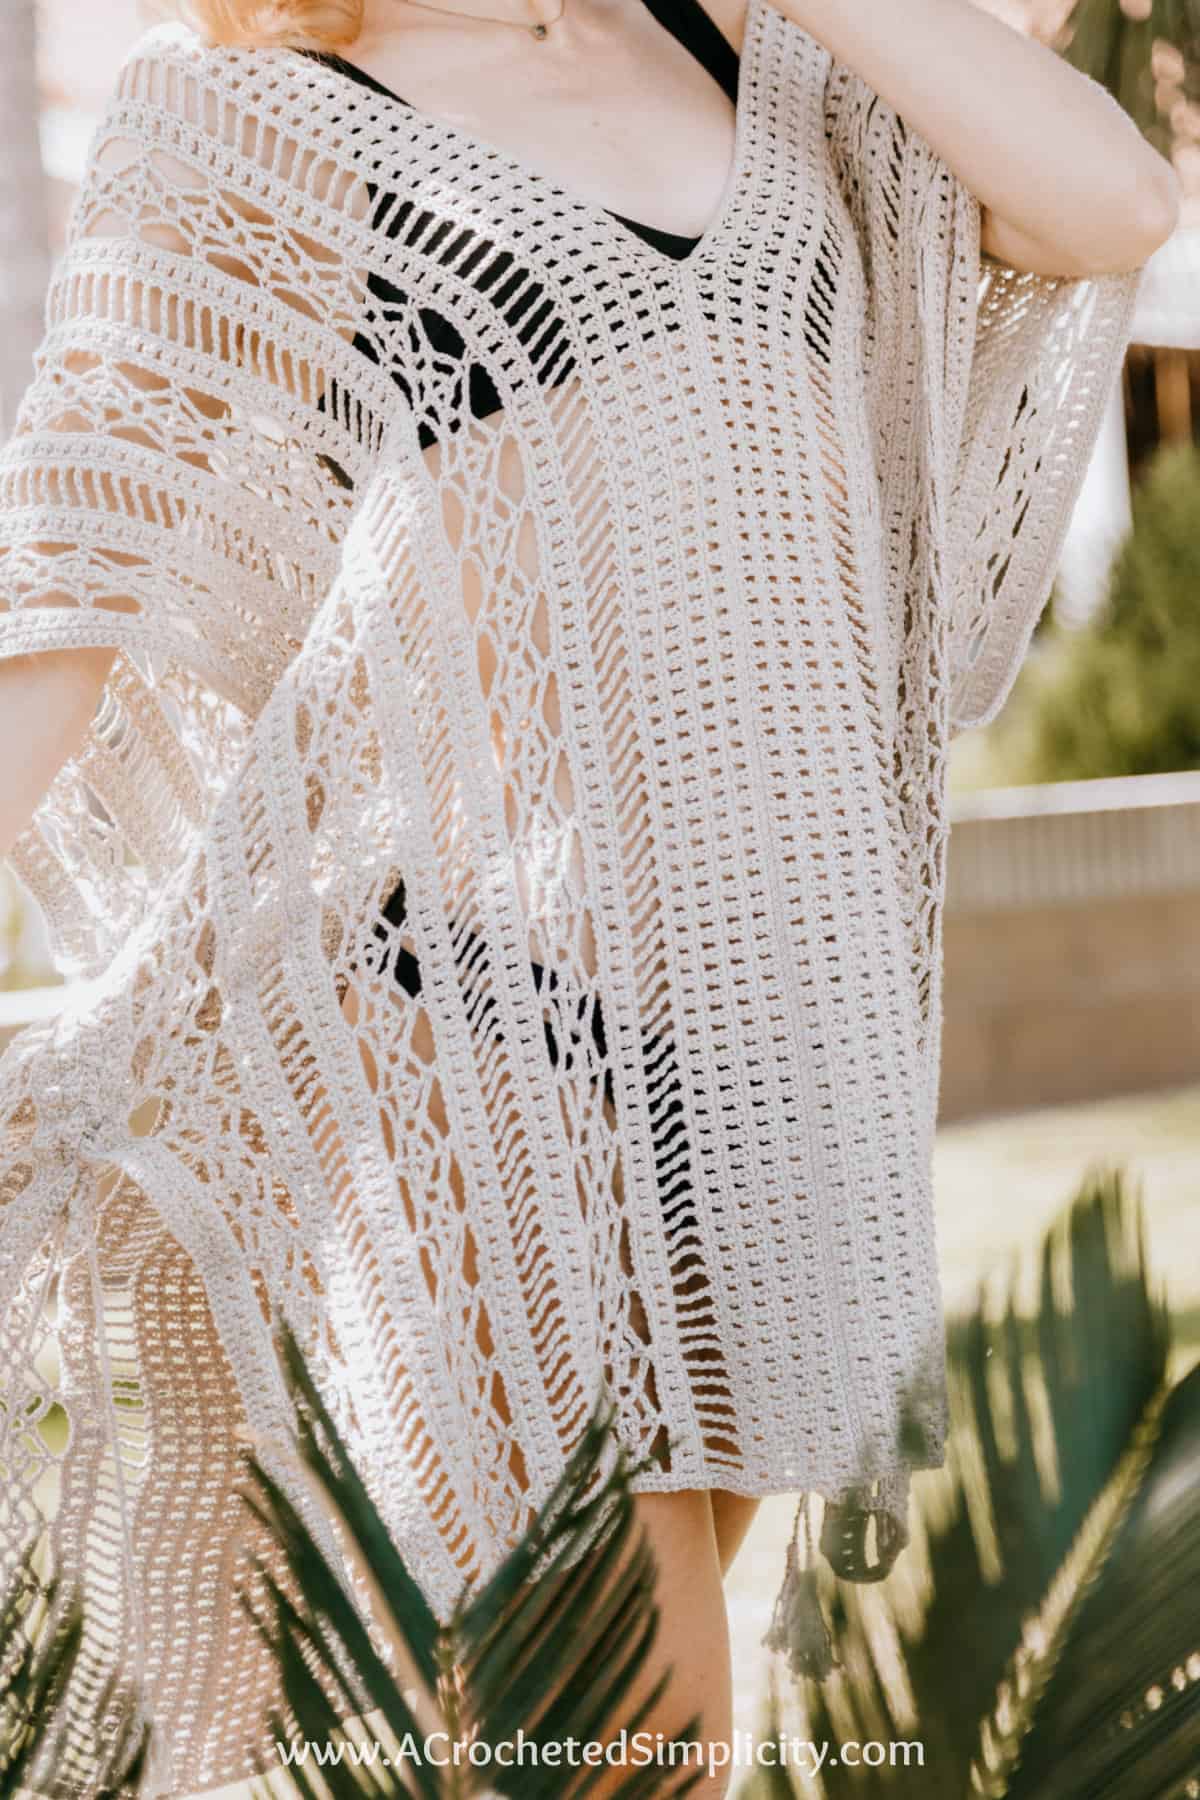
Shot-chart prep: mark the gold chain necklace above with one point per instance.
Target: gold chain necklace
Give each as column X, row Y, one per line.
column 537, row 31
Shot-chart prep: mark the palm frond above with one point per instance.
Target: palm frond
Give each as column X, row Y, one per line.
column 547, row 1649
column 1118, row 1711
column 32, row 1672
column 1053, row 1433
column 40, row 1643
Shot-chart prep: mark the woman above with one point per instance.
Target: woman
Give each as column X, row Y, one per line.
column 533, row 492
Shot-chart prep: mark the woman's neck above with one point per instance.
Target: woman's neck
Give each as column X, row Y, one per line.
column 382, row 18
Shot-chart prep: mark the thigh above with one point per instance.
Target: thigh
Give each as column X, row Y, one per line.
column 733, row 1515
column 692, row 1636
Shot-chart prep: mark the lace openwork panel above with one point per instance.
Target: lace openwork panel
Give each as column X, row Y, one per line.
column 507, row 860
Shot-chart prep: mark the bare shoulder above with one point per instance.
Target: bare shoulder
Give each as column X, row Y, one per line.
column 730, row 15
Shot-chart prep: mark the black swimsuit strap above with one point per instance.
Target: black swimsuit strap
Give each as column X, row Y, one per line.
column 699, row 32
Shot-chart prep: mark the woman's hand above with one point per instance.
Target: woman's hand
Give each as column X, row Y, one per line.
column 1066, row 181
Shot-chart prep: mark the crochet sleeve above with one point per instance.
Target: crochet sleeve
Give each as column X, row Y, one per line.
column 170, row 489
column 178, row 488
column 991, row 382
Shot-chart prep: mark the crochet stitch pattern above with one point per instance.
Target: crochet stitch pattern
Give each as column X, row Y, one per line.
column 648, row 678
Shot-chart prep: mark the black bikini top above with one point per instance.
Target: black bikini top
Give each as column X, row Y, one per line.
column 687, row 21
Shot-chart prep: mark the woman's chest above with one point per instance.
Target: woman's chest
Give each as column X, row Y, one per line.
column 488, row 285
column 630, row 106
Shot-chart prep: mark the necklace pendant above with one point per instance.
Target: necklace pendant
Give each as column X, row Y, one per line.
column 539, row 31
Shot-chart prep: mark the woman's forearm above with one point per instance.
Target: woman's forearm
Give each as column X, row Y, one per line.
column 47, row 702
column 1046, row 151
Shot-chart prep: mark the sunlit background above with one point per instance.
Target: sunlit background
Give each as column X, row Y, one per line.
column 1072, row 972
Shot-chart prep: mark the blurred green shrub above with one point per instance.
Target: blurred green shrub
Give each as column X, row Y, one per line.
column 1122, row 696
column 1146, row 53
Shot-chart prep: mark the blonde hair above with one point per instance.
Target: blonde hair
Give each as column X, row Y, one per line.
column 324, row 23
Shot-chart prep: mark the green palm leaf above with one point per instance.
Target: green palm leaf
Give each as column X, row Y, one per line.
column 40, row 1642
column 1062, row 1549
column 549, row 1647
column 1118, row 1712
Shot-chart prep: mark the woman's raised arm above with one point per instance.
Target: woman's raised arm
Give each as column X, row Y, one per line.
column 1066, row 181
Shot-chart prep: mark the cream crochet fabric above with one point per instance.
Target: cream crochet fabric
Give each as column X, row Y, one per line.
column 647, row 678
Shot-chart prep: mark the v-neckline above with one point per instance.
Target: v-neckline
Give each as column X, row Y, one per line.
column 601, row 217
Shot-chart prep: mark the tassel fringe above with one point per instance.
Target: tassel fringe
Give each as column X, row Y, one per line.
column 798, row 1626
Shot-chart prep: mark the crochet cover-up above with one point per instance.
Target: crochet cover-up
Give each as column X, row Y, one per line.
column 648, row 677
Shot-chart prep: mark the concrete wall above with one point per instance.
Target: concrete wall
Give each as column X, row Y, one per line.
column 1072, row 946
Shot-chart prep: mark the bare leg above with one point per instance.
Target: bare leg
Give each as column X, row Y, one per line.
column 733, row 1515
column 692, row 1637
